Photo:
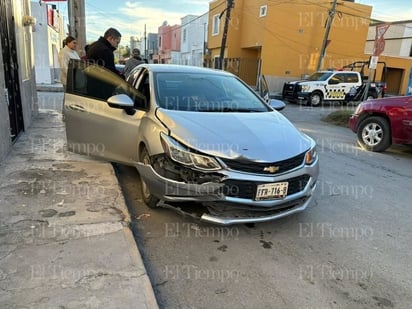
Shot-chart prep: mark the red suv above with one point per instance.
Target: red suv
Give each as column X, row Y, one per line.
column 382, row 122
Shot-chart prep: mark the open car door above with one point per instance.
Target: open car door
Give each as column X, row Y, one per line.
column 102, row 113
column 263, row 90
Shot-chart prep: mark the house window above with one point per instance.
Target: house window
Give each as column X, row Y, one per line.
column 216, row 25
column 184, row 35
column 263, row 10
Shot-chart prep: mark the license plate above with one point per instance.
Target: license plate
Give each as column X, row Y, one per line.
column 270, row 191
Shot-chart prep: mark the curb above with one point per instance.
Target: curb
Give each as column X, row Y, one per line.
column 50, row 87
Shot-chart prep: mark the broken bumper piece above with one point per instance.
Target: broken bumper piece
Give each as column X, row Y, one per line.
column 227, row 210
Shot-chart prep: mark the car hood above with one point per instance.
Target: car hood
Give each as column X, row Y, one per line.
column 263, row 137
column 387, row 101
column 297, row 81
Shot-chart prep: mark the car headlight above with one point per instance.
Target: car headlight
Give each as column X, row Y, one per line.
column 178, row 153
column 305, row 88
column 311, row 156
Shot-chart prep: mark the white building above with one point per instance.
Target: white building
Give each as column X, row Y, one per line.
column 193, row 40
column 48, row 36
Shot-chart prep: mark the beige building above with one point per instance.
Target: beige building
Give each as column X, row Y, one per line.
column 397, row 54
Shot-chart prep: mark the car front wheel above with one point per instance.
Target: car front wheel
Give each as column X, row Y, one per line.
column 149, row 199
column 374, row 134
column 315, row 99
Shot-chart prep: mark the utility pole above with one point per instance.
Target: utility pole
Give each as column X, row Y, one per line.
column 331, row 14
column 204, row 45
column 77, row 25
column 230, row 4
column 145, row 42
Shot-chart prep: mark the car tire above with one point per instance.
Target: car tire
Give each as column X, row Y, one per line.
column 315, row 99
column 374, row 134
column 150, row 200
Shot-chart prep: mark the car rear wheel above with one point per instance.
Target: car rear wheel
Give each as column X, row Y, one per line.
column 315, row 99
column 374, row 134
column 149, row 199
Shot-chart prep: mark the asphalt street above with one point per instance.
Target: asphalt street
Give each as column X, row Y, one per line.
column 350, row 249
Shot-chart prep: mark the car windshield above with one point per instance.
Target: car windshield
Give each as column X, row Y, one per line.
column 205, row 93
column 319, row 76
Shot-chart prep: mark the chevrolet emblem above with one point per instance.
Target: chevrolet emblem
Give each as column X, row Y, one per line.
column 271, row 169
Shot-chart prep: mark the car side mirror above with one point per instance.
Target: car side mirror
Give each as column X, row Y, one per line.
column 277, row 104
column 120, row 101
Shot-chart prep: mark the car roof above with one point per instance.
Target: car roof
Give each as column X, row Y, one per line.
column 336, row 71
column 175, row 68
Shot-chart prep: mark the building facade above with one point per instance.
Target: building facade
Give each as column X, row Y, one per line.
column 193, row 40
column 148, row 45
column 397, row 54
column 283, row 39
column 18, row 99
column 152, row 46
column 168, row 44
column 398, row 39
column 135, row 43
column 48, row 36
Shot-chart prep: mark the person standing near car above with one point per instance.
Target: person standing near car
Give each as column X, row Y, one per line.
column 101, row 51
column 86, row 48
column 65, row 54
column 132, row 62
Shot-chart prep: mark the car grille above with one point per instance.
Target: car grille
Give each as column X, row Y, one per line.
column 291, row 90
column 258, row 168
column 247, row 189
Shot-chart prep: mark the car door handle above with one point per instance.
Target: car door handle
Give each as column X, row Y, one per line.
column 77, row 108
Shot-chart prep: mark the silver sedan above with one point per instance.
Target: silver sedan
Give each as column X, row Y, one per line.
column 197, row 136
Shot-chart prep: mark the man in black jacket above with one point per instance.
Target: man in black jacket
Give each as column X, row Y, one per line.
column 101, row 51
column 132, row 62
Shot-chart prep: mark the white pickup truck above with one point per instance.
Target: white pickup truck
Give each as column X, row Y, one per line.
column 328, row 86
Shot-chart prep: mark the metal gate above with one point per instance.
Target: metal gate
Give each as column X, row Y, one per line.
column 11, row 68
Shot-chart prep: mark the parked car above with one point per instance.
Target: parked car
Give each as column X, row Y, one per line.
column 376, row 89
column 333, row 86
column 195, row 135
column 382, row 122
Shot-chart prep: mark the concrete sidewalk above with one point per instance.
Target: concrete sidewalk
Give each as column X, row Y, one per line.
column 65, row 240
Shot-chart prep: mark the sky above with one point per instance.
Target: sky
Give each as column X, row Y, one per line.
column 130, row 17
column 389, row 10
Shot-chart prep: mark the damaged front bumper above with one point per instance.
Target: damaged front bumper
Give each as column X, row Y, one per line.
column 233, row 210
